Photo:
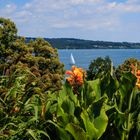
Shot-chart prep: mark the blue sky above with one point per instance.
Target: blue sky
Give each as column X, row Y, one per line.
column 108, row 20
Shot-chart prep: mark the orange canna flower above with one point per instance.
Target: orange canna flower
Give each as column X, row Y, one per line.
column 136, row 72
column 77, row 76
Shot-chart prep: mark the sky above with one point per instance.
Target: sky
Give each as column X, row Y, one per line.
column 104, row 20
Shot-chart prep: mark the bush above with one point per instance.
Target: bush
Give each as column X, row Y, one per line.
column 126, row 66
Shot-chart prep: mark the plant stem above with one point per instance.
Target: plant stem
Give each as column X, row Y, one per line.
column 128, row 122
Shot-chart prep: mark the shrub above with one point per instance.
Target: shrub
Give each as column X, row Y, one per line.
column 126, row 66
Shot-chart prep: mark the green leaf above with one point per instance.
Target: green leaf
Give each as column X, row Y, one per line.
column 44, row 133
column 63, row 135
column 36, row 112
column 96, row 87
column 91, row 91
column 95, row 108
column 32, row 133
column 68, row 106
column 101, row 123
column 91, row 131
column 109, row 85
column 76, row 131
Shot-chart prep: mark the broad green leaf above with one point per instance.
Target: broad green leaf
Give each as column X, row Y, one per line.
column 95, row 108
column 66, row 90
column 68, row 106
column 91, row 131
column 96, row 86
column 101, row 123
column 127, row 83
column 76, row 131
column 91, row 91
column 109, row 85
column 63, row 135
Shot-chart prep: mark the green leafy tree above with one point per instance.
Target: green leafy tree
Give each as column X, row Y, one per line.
column 8, row 32
column 38, row 55
column 44, row 64
column 99, row 67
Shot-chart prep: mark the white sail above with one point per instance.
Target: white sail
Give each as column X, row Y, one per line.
column 72, row 61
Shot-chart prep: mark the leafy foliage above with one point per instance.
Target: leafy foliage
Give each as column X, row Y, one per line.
column 126, row 66
column 38, row 55
column 99, row 67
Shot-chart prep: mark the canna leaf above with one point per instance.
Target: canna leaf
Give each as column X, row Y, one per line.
column 63, row 135
column 101, row 123
column 76, row 131
column 68, row 106
column 91, row 131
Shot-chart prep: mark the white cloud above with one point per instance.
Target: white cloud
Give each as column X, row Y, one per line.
column 9, row 9
column 90, row 15
column 83, row 1
column 120, row 8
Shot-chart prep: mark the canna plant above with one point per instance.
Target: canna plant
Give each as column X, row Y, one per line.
column 81, row 110
column 124, row 115
column 88, row 114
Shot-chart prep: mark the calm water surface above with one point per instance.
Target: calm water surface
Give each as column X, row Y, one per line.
column 83, row 57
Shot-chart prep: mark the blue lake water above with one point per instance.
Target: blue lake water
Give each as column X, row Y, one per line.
column 83, row 57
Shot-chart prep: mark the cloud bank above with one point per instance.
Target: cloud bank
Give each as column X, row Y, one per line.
column 89, row 19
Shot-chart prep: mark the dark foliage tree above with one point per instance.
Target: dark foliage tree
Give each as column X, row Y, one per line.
column 99, row 67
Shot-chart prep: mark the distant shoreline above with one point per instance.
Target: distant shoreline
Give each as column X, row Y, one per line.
column 72, row 43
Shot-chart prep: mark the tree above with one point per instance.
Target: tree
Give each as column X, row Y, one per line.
column 45, row 64
column 39, row 56
column 99, row 67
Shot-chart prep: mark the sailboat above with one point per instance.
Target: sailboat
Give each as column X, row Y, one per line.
column 72, row 61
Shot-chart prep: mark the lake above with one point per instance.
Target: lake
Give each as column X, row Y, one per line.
column 83, row 57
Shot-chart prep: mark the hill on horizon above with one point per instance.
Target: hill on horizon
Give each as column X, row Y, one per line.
column 72, row 43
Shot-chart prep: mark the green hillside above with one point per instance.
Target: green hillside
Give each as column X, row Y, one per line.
column 71, row 43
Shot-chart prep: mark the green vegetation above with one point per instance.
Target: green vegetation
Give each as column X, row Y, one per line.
column 71, row 43
column 38, row 55
column 35, row 104
column 99, row 67
column 126, row 66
